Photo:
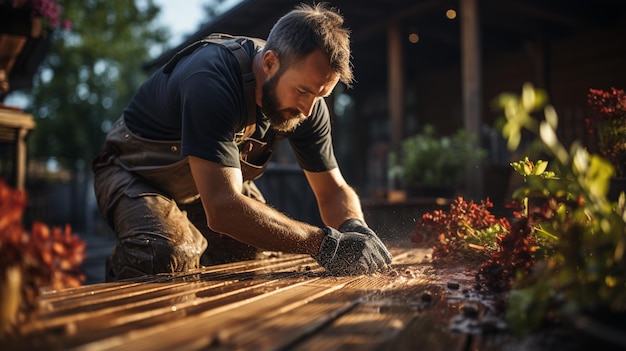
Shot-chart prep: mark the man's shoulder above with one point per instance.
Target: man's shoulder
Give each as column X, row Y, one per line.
column 250, row 45
column 214, row 48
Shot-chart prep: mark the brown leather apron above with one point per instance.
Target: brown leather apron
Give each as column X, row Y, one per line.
column 161, row 164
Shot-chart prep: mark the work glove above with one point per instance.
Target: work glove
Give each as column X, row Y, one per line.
column 357, row 225
column 351, row 253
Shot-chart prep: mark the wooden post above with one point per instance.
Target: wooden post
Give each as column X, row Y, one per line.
column 396, row 84
column 471, row 85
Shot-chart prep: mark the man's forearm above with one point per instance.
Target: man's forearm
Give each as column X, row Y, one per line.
column 262, row 226
column 343, row 205
column 245, row 219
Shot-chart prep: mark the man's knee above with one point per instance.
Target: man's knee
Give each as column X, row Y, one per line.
column 150, row 254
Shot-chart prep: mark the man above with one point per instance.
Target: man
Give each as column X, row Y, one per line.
column 174, row 179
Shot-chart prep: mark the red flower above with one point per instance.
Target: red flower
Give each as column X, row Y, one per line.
column 50, row 10
column 608, row 122
column 447, row 231
column 607, row 105
column 46, row 256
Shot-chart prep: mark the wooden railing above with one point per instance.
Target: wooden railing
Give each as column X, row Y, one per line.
column 14, row 128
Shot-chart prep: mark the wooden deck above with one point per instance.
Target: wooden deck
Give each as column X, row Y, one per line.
column 279, row 303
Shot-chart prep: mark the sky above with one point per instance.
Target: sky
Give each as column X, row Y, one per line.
column 182, row 17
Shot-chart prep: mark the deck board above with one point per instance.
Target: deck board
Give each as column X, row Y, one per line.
column 282, row 303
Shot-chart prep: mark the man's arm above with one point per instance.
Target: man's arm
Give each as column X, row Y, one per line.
column 340, row 206
column 252, row 222
column 337, row 201
column 245, row 219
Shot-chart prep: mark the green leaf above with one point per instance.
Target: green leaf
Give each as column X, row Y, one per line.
column 528, row 97
column 540, row 167
column 547, row 134
column 551, row 117
column 580, row 160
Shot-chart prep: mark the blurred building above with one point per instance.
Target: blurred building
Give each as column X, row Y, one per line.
column 444, row 61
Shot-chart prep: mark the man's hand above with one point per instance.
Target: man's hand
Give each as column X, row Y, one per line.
column 351, row 253
column 356, row 225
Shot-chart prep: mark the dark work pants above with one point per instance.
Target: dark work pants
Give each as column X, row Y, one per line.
column 155, row 234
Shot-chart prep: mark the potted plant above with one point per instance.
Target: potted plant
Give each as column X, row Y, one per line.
column 25, row 28
column 434, row 166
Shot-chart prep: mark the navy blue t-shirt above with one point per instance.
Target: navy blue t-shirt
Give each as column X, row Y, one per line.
column 202, row 104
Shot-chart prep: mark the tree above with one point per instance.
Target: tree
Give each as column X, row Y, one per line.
column 89, row 75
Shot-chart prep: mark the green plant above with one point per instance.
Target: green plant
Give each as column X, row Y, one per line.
column 426, row 159
column 528, row 168
column 585, row 272
column 466, row 231
column 564, row 253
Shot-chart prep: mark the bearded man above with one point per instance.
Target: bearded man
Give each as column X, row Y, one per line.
column 174, row 179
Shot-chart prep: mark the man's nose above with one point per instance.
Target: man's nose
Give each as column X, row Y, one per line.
column 305, row 104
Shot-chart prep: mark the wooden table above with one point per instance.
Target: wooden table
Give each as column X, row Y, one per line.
column 14, row 128
column 281, row 303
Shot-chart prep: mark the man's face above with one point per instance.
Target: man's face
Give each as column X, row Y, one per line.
column 289, row 95
column 285, row 119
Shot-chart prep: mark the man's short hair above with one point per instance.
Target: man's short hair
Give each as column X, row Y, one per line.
column 307, row 28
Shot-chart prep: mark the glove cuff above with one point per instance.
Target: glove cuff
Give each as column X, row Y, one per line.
column 350, row 224
column 329, row 245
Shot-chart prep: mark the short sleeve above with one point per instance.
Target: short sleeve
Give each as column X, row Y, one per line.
column 312, row 141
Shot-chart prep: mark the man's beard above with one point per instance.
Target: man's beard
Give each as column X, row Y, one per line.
column 285, row 120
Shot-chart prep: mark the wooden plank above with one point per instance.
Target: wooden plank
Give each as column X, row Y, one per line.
column 168, row 299
column 411, row 313
column 14, row 127
column 182, row 334
column 376, row 319
column 297, row 324
column 283, row 303
column 16, row 119
column 273, row 321
column 57, row 300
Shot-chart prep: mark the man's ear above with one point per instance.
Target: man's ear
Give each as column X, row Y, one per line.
column 270, row 63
